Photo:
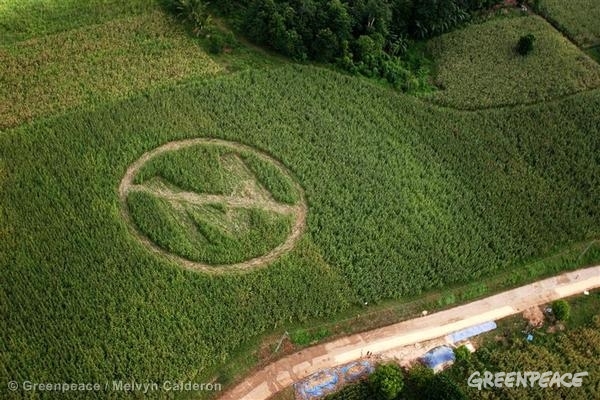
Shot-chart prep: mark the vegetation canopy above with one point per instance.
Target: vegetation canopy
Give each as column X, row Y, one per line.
column 401, row 196
column 525, row 44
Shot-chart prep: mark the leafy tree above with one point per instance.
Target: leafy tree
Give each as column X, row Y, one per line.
column 366, row 49
column 193, row 11
column 401, row 16
column 417, row 380
column 370, row 16
column 386, row 382
column 355, row 391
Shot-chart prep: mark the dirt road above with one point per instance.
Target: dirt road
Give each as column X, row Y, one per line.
column 282, row 373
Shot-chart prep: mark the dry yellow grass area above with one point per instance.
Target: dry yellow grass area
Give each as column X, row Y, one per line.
column 51, row 73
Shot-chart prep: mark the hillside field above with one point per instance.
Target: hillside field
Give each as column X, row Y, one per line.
column 578, row 18
column 26, row 19
column 90, row 65
column 478, row 67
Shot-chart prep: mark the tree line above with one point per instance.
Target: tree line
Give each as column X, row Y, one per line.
column 367, row 37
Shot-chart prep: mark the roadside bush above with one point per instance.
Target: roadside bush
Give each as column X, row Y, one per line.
column 441, row 387
column 386, row 382
column 355, row 391
column 561, row 310
column 462, row 354
column 525, row 44
column 219, row 41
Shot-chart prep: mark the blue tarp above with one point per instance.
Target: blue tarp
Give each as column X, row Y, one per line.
column 321, row 383
column 437, row 357
column 471, row 331
column 331, row 379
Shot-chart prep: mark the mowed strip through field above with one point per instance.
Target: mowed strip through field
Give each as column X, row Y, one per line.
column 282, row 373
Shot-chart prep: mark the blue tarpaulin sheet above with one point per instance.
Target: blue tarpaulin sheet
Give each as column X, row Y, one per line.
column 471, row 331
column 437, row 357
column 329, row 380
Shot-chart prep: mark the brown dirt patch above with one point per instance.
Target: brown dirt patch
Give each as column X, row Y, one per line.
column 534, row 316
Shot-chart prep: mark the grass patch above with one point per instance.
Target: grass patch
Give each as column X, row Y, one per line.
column 478, row 67
column 577, row 18
column 585, row 310
column 303, row 337
column 91, row 65
column 594, row 52
column 404, row 198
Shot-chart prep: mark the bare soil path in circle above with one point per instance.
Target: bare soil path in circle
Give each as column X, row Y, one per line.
column 282, row 373
column 254, row 196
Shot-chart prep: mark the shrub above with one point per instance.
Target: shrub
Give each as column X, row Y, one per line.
column 219, row 41
column 303, row 337
column 561, row 310
column 356, row 391
column 525, row 44
column 417, row 380
column 387, row 381
column 462, row 354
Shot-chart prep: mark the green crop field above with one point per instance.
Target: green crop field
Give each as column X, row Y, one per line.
column 93, row 64
column 24, row 19
column 342, row 190
column 478, row 66
column 427, row 198
column 578, row 18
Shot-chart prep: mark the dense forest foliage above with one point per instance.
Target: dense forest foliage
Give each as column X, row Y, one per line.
column 368, row 37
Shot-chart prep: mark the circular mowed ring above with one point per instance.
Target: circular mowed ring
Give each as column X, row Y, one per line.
column 213, row 205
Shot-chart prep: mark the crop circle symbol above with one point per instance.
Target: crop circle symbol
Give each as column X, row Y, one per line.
column 213, row 205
